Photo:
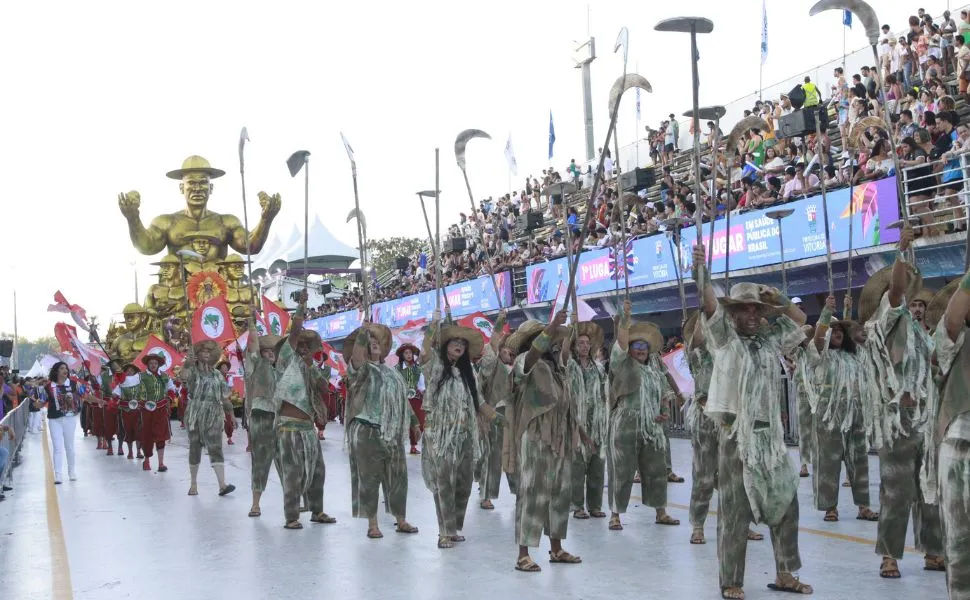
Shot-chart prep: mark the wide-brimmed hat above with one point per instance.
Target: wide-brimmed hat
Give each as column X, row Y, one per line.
column 593, row 331
column 154, row 356
column 406, row 346
column 233, row 259
column 131, row 365
column 476, row 343
column 528, row 332
column 201, row 235
column 381, row 332
column 269, row 342
column 214, row 350
column 223, row 361
column 747, row 293
column 878, row 284
column 645, row 331
column 133, row 308
column 937, row 305
column 168, row 259
column 195, row 164
column 312, row 339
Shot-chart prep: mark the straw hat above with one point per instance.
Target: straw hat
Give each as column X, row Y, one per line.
column 223, row 361
column 519, row 341
column 407, row 346
column 747, row 293
column 937, row 305
column 155, row 356
column 214, row 350
column 312, row 339
column 132, row 366
column 195, row 164
column 381, row 332
column 473, row 337
column 269, row 342
column 133, row 308
column 878, row 284
column 593, row 331
column 688, row 329
column 645, row 331
column 233, row 259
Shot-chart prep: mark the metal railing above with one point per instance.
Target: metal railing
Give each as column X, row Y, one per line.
column 16, row 419
column 932, row 201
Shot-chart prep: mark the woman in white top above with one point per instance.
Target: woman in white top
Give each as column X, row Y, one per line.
column 64, row 402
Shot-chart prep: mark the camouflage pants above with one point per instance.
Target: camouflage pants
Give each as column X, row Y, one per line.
column 300, row 466
column 667, row 459
column 832, row 449
column 955, row 510
column 627, row 451
column 589, row 475
column 542, row 502
column 490, row 467
column 262, row 442
column 376, row 463
column 899, row 496
column 704, row 470
column 734, row 517
column 211, row 438
column 806, row 438
column 451, row 480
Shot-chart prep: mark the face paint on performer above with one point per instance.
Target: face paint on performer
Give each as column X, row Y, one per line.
column 640, row 351
column 456, row 348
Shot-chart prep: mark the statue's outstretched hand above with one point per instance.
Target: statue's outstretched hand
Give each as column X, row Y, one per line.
column 270, row 205
column 129, row 204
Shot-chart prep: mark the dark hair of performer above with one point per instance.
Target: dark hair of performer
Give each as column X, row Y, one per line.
column 455, row 353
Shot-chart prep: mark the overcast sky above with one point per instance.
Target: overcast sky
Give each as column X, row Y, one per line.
column 106, row 97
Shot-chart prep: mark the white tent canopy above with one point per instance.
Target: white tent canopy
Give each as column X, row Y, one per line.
column 266, row 257
column 322, row 243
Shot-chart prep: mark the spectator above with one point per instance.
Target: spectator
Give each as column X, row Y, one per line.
column 812, row 95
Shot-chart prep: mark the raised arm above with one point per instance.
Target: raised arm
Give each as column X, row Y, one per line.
column 958, row 310
column 623, row 327
column 361, row 348
column 146, row 241
column 498, row 334
column 824, row 320
column 270, row 206
column 430, row 342
column 708, row 298
column 296, row 324
column 900, row 275
column 544, row 341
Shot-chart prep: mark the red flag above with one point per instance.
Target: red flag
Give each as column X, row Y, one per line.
column 277, row 319
column 154, row 345
column 411, row 332
column 237, row 371
column 480, row 322
column 211, row 321
column 77, row 313
column 261, row 327
column 333, row 359
column 67, row 339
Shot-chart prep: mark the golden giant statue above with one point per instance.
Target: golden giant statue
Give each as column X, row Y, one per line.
column 166, row 298
column 239, row 296
column 128, row 345
column 172, row 231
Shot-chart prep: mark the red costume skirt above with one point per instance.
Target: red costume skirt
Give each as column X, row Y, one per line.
column 110, row 420
column 230, row 425
column 183, row 400
column 416, row 405
column 96, row 419
column 154, row 426
column 130, row 425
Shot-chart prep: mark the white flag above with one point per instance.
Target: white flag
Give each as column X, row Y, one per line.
column 510, row 157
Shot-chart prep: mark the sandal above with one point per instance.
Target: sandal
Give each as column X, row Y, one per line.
column 255, row 513
column 831, row 515
column 802, row 473
column 580, row 514
column 458, row 538
column 445, row 542
column 597, row 514
column 527, row 565
column 889, row 569
column 667, row 520
column 674, row 478
column 755, row 536
column 162, row 469
column 323, row 518
column 732, row 593
column 934, row 563
column 793, row 586
column 697, row 537
column 230, row 488
column 487, row 505
column 193, row 491
column 615, row 524
column 867, row 514
column 846, row 483
column 636, row 478
column 405, row 528
column 293, row 525
column 564, row 557
column 374, row 534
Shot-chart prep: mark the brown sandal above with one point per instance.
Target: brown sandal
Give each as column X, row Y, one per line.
column 597, row 514
column 564, row 557
column 293, row 525
column 405, row 528
column 697, row 537
column 615, row 524
column 445, row 541
column 527, row 565
column 667, row 520
column 754, row 536
column 889, row 569
column 934, row 563
column 867, row 514
column 487, row 505
column 831, row 515
column 580, row 514
column 732, row 593
column 674, row 478
column 794, row 586
column 322, row 518
column 374, row 534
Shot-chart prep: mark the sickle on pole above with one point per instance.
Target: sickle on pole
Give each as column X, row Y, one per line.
column 361, row 227
column 297, row 161
column 622, row 41
column 460, row 143
column 616, row 91
column 243, row 138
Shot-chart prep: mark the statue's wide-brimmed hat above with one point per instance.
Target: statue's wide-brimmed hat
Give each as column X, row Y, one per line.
column 473, row 337
column 878, row 284
column 312, row 340
column 937, row 305
column 154, row 356
column 133, row 308
column 269, row 342
column 523, row 337
column 593, row 331
column 201, row 235
column 168, row 259
column 748, row 293
column 214, row 350
column 381, row 332
column 233, row 259
column 407, row 346
column 195, row 164
column 645, row 331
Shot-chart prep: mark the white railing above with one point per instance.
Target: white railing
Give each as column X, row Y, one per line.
column 933, row 204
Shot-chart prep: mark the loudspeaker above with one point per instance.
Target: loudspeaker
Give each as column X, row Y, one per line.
column 454, row 245
column 325, row 288
column 6, row 348
column 401, row 263
column 530, row 221
column 802, row 122
column 637, row 179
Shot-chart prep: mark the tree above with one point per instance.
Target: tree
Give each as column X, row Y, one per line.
column 384, row 252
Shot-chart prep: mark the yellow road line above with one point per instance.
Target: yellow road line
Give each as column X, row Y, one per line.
column 61, row 588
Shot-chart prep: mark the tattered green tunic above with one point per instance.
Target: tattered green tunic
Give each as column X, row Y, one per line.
column 590, row 390
column 208, row 398
column 701, row 368
column 299, row 384
column 637, row 391
column 261, row 378
column 450, row 420
column 838, row 378
column 378, row 394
